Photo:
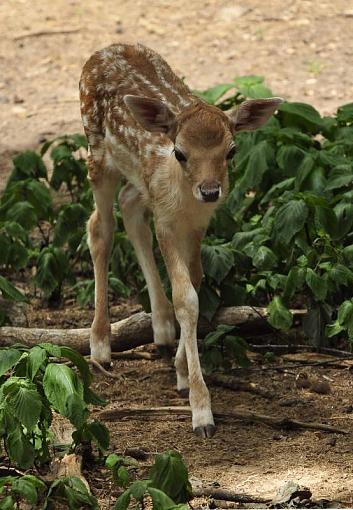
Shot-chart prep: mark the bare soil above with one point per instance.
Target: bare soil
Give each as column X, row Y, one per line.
column 304, row 49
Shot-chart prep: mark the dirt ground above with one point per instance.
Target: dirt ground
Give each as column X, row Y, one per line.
column 252, row 459
column 305, row 50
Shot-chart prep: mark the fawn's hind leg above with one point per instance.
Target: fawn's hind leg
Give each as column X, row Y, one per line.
column 136, row 220
column 100, row 238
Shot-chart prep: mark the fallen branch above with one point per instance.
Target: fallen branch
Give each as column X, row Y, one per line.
column 244, row 415
column 101, row 369
column 227, row 495
column 46, row 32
column 135, row 330
column 234, row 384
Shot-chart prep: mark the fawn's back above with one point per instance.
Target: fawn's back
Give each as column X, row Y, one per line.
column 108, row 76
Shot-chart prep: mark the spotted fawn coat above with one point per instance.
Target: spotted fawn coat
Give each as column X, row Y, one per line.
column 143, row 124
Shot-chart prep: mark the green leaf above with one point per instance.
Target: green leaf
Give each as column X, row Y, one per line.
column 342, row 175
column 209, row 301
column 279, row 315
column 52, row 268
column 9, row 291
column 344, row 214
column 8, row 359
column 251, row 86
column 27, row 164
column 217, row 261
column 70, row 220
column 79, row 361
column 290, row 159
column 7, row 503
column 118, row 287
column 59, row 383
column 76, row 410
column 36, row 359
column 113, row 459
column 326, row 219
column 257, row 163
column 19, row 448
column 237, row 348
column 345, row 313
column 289, row 220
column 23, row 213
column 123, row 501
column 25, row 489
column 24, row 402
column 300, row 115
column 305, row 168
column 169, row 474
column 317, row 284
column 295, row 281
column 138, row 489
column 334, row 329
column 100, row 434
column 345, row 113
column 160, row 500
column 265, row 259
column 213, row 94
column 214, row 337
column 277, row 189
column 74, row 491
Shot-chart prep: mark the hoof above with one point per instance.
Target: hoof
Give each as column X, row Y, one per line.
column 166, row 351
column 184, row 393
column 108, row 365
column 205, row 432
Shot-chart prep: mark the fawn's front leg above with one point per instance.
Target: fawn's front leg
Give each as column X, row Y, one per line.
column 137, row 224
column 100, row 229
column 186, row 306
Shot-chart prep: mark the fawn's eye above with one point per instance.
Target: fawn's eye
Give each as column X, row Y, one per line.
column 179, row 155
column 231, row 153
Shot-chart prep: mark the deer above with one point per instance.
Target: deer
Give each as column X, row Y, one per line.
column 145, row 126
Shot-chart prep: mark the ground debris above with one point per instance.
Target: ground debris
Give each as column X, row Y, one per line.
column 292, row 495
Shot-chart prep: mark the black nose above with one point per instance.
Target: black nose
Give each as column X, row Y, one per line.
column 210, row 192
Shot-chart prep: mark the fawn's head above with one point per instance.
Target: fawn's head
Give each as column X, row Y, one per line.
column 202, row 137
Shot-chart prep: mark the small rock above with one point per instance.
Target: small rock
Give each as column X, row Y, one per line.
column 18, row 100
column 322, row 387
column 347, row 409
column 348, row 13
column 119, row 28
column 231, row 13
column 4, row 100
column 331, row 441
column 288, row 492
column 302, row 380
column 136, row 453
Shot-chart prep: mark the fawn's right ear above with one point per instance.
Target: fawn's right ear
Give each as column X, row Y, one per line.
column 152, row 114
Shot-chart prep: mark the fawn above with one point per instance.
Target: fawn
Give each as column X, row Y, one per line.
column 144, row 124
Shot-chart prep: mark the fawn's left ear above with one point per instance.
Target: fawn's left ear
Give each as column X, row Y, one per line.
column 152, row 114
column 253, row 114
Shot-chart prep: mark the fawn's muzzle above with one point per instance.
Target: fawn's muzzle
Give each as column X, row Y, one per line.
column 210, row 191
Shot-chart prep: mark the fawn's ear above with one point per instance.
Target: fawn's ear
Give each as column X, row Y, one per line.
column 152, row 114
column 253, row 114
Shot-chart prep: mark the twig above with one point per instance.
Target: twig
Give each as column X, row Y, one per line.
column 246, row 415
column 134, row 355
column 234, row 384
column 97, row 365
column 226, row 495
column 45, row 32
column 284, row 348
